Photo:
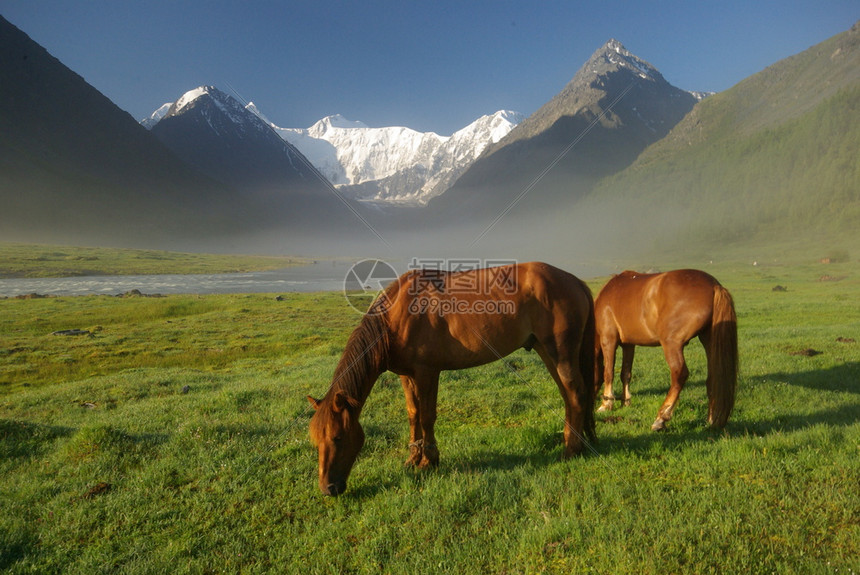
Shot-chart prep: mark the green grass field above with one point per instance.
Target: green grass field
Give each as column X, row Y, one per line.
column 42, row 261
column 173, row 438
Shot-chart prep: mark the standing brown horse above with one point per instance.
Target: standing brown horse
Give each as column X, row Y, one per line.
column 668, row 309
column 429, row 321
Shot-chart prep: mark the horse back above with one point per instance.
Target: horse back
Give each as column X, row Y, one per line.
column 473, row 317
column 549, row 287
column 646, row 309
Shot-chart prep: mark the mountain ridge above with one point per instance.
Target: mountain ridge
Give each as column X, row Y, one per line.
column 768, row 159
column 226, row 140
column 618, row 160
column 209, row 129
column 394, row 164
column 613, row 108
column 388, row 165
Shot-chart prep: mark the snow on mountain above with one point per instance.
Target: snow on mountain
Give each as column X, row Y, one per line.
column 614, row 53
column 699, row 96
column 235, row 113
column 252, row 107
column 227, row 141
column 190, row 96
column 613, row 56
column 385, row 165
column 156, row 116
column 395, row 164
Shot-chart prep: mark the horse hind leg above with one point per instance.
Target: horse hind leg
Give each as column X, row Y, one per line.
column 627, row 353
column 569, row 380
column 674, row 353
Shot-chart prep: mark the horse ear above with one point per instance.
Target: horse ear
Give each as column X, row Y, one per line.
column 315, row 403
column 343, row 401
column 340, row 401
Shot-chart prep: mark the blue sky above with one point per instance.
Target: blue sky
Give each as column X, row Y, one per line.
column 431, row 66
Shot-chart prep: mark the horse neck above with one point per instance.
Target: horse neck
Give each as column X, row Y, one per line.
column 363, row 361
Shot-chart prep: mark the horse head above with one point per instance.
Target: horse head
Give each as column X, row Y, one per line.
column 338, row 435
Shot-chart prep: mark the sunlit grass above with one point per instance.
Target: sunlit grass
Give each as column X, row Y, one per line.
column 174, row 439
column 32, row 261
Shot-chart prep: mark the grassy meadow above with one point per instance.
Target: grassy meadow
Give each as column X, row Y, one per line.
column 172, row 437
column 44, row 261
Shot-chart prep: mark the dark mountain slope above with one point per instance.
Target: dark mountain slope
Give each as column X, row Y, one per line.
column 74, row 167
column 215, row 133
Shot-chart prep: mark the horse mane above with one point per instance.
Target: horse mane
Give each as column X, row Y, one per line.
column 365, row 355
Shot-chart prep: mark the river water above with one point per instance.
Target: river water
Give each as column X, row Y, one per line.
column 325, row 275
column 321, row 276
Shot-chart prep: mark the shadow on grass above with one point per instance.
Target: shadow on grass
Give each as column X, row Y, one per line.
column 842, row 378
column 547, row 445
column 500, row 461
column 16, row 546
column 845, row 377
column 842, row 416
column 25, row 439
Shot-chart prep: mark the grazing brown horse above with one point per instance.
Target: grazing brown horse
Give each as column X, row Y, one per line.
column 668, row 309
column 429, row 321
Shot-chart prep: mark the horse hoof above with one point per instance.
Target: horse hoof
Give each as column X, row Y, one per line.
column 430, row 457
column 428, row 464
column 604, row 407
column 625, row 403
column 571, row 452
column 658, row 425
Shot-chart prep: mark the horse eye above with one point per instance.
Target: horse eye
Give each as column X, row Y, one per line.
column 337, row 438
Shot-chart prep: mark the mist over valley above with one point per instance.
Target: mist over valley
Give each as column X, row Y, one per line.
column 619, row 164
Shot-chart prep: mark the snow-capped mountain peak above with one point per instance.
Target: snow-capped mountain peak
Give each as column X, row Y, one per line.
column 387, row 165
column 336, row 122
column 613, row 53
column 214, row 132
column 189, row 97
column 222, row 101
column 494, row 127
column 252, row 107
column 156, row 116
column 395, row 164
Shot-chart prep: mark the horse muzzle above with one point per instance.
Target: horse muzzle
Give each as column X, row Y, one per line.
column 333, row 489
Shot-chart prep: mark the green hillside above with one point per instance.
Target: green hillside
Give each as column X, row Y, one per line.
column 773, row 159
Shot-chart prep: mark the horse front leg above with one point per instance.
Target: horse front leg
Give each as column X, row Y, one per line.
column 426, row 386
column 416, row 441
column 674, row 353
column 608, row 398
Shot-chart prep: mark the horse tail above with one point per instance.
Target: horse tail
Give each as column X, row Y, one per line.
column 722, row 358
column 587, row 367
